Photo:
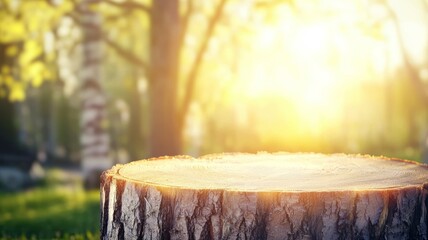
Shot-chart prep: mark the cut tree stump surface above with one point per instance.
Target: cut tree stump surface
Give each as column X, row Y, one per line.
column 265, row 196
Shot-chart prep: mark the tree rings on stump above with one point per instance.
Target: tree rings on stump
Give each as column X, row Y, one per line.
column 265, row 196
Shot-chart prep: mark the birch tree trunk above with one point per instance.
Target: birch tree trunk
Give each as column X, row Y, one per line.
column 94, row 139
column 265, row 196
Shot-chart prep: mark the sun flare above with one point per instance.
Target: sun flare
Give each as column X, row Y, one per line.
column 310, row 61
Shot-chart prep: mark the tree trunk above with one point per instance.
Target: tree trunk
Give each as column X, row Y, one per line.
column 165, row 126
column 94, row 139
column 135, row 131
column 265, row 196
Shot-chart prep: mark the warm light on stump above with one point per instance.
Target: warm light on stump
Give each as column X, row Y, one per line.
column 265, row 196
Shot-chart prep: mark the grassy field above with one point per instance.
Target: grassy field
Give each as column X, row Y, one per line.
column 50, row 211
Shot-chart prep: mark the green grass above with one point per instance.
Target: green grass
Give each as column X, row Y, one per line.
column 50, row 212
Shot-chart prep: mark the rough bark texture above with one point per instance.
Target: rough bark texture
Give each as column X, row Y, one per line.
column 138, row 210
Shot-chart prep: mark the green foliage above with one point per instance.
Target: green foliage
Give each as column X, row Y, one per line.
column 23, row 60
column 50, row 212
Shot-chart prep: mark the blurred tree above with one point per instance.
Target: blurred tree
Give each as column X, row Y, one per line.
column 162, row 49
column 165, row 119
column 412, row 69
column 26, row 57
column 167, row 113
column 414, row 76
column 8, row 128
column 168, row 29
column 94, row 138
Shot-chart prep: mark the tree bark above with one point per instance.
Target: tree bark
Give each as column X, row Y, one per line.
column 94, row 137
column 165, row 127
column 265, row 196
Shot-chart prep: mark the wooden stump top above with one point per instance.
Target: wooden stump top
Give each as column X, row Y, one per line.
column 278, row 172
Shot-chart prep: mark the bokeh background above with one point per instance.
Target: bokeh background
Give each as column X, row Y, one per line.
column 85, row 84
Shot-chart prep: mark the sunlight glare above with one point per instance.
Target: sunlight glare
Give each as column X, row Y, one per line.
column 310, row 41
column 305, row 69
column 306, row 62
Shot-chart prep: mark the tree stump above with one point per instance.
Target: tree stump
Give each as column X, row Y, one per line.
column 265, row 196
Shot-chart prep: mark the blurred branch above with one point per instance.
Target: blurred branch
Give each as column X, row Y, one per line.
column 411, row 69
column 78, row 21
column 127, row 55
column 126, row 5
column 39, row 57
column 194, row 71
column 124, row 53
column 271, row 3
column 114, row 18
column 186, row 17
column 52, row 3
